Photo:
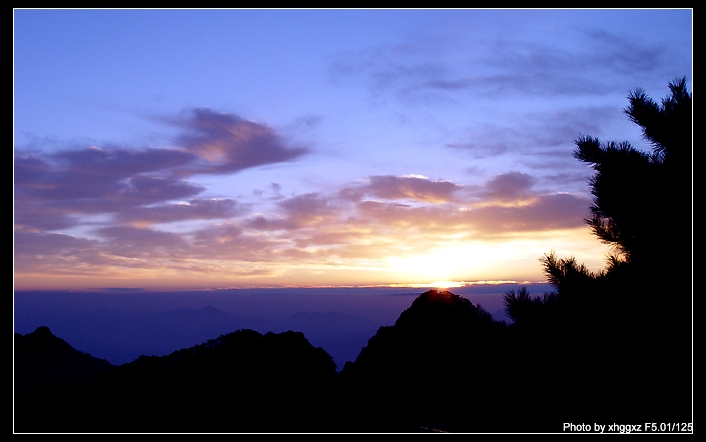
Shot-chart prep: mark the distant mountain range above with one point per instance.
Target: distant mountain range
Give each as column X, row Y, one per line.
column 245, row 381
column 127, row 335
column 119, row 327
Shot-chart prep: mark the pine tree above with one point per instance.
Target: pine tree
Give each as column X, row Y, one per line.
column 639, row 203
column 642, row 302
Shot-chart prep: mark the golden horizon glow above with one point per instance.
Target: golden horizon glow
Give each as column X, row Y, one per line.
column 454, row 265
column 407, row 231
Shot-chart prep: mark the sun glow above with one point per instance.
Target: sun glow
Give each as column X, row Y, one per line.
column 446, row 284
column 448, row 265
column 444, row 265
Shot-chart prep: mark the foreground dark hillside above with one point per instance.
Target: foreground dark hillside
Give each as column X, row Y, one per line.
column 43, row 361
column 438, row 366
column 239, row 382
column 444, row 365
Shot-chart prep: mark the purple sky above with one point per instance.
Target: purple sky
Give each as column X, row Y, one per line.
column 207, row 149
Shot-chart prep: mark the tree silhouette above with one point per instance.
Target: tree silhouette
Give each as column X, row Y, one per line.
column 634, row 191
column 528, row 311
column 641, row 302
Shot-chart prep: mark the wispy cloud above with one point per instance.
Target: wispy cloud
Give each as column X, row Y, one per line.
column 506, row 68
column 194, row 209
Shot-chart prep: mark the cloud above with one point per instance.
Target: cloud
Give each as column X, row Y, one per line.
column 544, row 213
column 31, row 217
column 540, row 142
column 414, row 188
column 326, row 230
column 194, row 209
column 510, row 186
column 226, row 143
column 623, row 54
column 308, row 210
column 93, row 180
column 231, row 243
column 29, row 170
column 56, row 253
column 146, row 185
column 505, row 204
column 53, row 190
column 479, row 210
column 358, row 224
column 538, row 130
column 506, row 68
column 50, row 243
column 120, row 162
column 147, row 244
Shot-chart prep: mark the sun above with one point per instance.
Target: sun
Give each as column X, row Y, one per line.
column 445, row 285
column 447, row 264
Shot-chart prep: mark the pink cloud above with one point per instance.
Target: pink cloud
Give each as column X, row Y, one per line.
column 510, row 186
column 411, row 188
column 227, row 143
column 194, row 209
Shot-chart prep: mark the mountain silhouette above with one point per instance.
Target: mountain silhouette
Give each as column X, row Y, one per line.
column 242, row 381
column 246, row 381
column 436, row 367
column 445, row 365
column 340, row 334
column 44, row 361
column 121, row 336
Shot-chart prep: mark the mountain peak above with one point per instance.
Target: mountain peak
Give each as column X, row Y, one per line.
column 43, row 360
column 438, row 296
column 42, row 330
column 440, row 310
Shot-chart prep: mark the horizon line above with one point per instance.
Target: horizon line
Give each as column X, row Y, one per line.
column 437, row 284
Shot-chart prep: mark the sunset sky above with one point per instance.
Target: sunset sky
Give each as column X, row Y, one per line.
column 202, row 149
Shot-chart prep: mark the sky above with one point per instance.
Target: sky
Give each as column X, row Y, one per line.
column 213, row 149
